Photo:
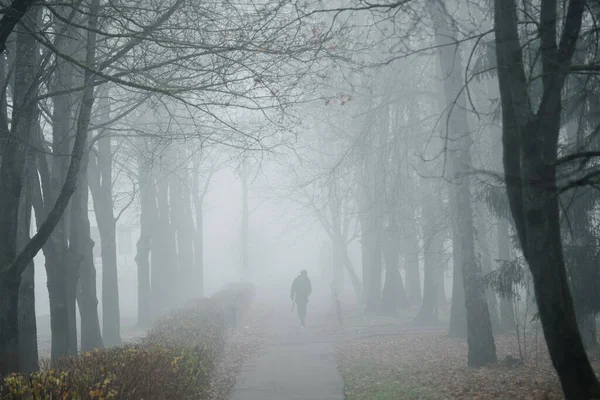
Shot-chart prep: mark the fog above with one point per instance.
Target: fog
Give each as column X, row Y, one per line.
column 279, row 248
column 295, row 199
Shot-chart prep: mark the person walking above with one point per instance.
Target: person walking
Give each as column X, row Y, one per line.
column 301, row 289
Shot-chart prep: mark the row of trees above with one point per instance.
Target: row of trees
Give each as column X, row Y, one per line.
column 404, row 118
column 101, row 96
column 496, row 99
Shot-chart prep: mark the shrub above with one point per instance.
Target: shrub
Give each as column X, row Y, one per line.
column 198, row 328
column 131, row 372
column 234, row 300
column 174, row 361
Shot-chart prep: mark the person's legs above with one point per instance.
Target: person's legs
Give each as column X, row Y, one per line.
column 302, row 311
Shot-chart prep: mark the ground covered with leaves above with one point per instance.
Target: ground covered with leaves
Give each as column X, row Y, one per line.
column 244, row 342
column 427, row 365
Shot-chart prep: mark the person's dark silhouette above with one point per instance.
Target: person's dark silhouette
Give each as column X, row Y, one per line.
column 301, row 289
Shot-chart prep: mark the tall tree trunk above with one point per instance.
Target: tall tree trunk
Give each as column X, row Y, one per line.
column 111, row 314
column 428, row 312
column 186, row 242
column 588, row 329
column 101, row 183
column 19, row 263
column 371, row 252
column 485, row 258
column 4, row 126
column 371, row 244
column 458, row 313
column 393, row 295
column 508, row 321
column 198, row 195
column 179, row 190
column 530, row 142
column 28, row 346
column 245, row 251
column 433, row 240
column 199, row 250
column 440, row 286
column 163, row 267
column 52, row 253
column 81, row 248
column 12, row 178
column 338, row 237
column 507, row 312
column 365, row 272
column 578, row 207
column 411, row 257
column 57, row 266
column 339, row 248
column 71, row 282
column 356, row 285
column 482, row 349
column 148, row 221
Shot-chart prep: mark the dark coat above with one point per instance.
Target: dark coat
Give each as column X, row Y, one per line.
column 301, row 289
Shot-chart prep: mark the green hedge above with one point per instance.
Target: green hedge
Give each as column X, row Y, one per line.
column 174, row 361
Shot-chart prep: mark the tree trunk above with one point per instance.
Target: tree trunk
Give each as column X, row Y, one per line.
column 148, row 216
column 54, row 252
column 372, row 247
column 54, row 262
column 111, row 315
column 9, row 325
column 12, row 178
column 71, row 283
column 57, row 266
column 338, row 236
column 17, row 266
column 101, row 182
column 587, row 326
column 182, row 225
column 339, row 247
column 199, row 250
column 507, row 311
column 458, row 313
column 198, row 196
column 578, row 232
column 81, row 249
column 508, row 321
column 482, row 350
column 371, row 251
column 245, row 262
column 28, row 346
column 356, row 285
column 530, row 151
column 393, row 294
column 485, row 258
column 163, row 267
column 440, row 287
column 4, row 82
column 411, row 258
column 432, row 256
column 365, row 273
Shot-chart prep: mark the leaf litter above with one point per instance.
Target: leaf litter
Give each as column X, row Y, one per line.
column 427, row 365
column 245, row 342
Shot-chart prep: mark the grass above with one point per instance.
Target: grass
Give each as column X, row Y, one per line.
column 365, row 379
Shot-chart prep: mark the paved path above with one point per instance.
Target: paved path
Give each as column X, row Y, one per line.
column 297, row 364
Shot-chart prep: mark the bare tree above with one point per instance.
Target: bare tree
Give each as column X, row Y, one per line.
column 530, row 140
